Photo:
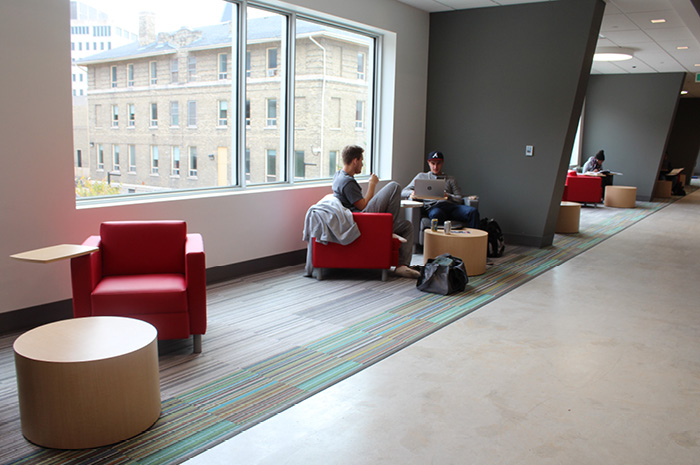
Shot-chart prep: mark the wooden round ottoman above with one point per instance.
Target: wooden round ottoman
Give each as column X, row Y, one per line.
column 471, row 245
column 621, row 196
column 569, row 217
column 87, row 382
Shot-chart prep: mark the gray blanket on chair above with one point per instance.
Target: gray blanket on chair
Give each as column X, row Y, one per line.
column 328, row 221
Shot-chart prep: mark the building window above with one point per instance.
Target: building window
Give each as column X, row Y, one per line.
column 132, row 158
column 153, row 67
column 154, row 115
column 174, row 114
column 154, row 159
column 114, row 76
column 246, row 167
column 130, row 75
column 272, row 63
column 359, row 114
column 271, row 160
column 131, row 110
column 174, row 66
column 247, row 112
column 332, row 162
column 247, row 64
column 175, row 160
column 100, row 157
column 223, row 66
column 271, row 120
column 191, row 114
column 115, row 116
column 191, row 68
column 79, row 158
column 223, row 113
column 361, row 66
column 192, row 162
column 115, row 158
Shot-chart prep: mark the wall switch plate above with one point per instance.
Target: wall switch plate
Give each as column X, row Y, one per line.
column 529, row 150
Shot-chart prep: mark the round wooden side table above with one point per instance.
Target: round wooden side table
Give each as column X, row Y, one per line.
column 569, row 218
column 87, row 382
column 468, row 244
column 620, row 196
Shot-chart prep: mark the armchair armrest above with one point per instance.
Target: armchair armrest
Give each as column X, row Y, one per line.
column 195, row 278
column 86, row 272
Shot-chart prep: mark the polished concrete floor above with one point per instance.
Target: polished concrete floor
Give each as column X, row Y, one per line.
column 594, row 362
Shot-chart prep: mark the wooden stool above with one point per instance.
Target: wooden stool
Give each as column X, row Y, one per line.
column 568, row 219
column 621, row 196
column 87, row 382
column 471, row 245
column 662, row 189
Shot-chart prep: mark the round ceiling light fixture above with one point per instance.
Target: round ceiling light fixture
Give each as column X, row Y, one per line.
column 613, row 54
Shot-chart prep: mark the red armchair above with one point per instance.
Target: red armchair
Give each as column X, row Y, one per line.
column 376, row 248
column 150, row 270
column 583, row 189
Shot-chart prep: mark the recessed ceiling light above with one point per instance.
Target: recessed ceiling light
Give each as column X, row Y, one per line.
column 684, row 92
column 613, row 54
column 657, row 21
column 682, row 47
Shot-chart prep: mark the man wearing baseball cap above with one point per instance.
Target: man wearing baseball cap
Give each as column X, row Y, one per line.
column 452, row 206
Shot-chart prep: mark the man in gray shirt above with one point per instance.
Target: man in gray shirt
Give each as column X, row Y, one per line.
column 452, row 207
column 387, row 200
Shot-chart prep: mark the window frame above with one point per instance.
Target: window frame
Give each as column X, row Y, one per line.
column 155, row 159
column 222, row 113
column 153, row 113
column 222, row 59
column 153, row 72
column 175, row 169
column 115, row 116
column 131, row 115
column 130, row 73
column 131, row 149
column 283, row 117
column 116, row 162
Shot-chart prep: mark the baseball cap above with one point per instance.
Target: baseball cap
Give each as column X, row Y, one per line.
column 435, row 156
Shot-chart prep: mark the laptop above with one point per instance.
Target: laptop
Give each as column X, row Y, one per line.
column 432, row 189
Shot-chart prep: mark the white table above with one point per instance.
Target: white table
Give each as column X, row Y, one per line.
column 54, row 253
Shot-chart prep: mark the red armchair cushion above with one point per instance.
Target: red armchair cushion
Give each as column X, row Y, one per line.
column 138, row 294
column 133, row 247
column 135, row 274
column 375, row 248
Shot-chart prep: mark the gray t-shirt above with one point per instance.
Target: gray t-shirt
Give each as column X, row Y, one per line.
column 347, row 190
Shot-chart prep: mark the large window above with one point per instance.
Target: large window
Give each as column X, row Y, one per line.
column 241, row 111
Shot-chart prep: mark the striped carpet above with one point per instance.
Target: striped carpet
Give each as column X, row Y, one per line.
column 277, row 338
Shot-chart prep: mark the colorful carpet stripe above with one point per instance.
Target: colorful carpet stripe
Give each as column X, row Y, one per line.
column 200, row 418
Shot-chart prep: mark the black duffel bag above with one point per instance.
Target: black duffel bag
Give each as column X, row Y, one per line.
column 444, row 274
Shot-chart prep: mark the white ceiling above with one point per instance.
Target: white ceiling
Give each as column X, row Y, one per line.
column 627, row 23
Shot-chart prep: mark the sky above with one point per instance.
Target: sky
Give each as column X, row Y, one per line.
column 170, row 14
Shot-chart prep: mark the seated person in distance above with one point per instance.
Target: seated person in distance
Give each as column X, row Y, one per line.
column 387, row 200
column 452, row 206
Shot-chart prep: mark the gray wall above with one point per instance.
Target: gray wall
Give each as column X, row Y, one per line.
column 684, row 143
column 503, row 78
column 630, row 117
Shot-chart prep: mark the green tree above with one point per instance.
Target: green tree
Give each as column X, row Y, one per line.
column 86, row 187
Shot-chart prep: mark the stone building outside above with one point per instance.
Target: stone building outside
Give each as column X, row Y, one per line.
column 162, row 111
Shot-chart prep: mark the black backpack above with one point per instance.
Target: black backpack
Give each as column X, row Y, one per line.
column 496, row 244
